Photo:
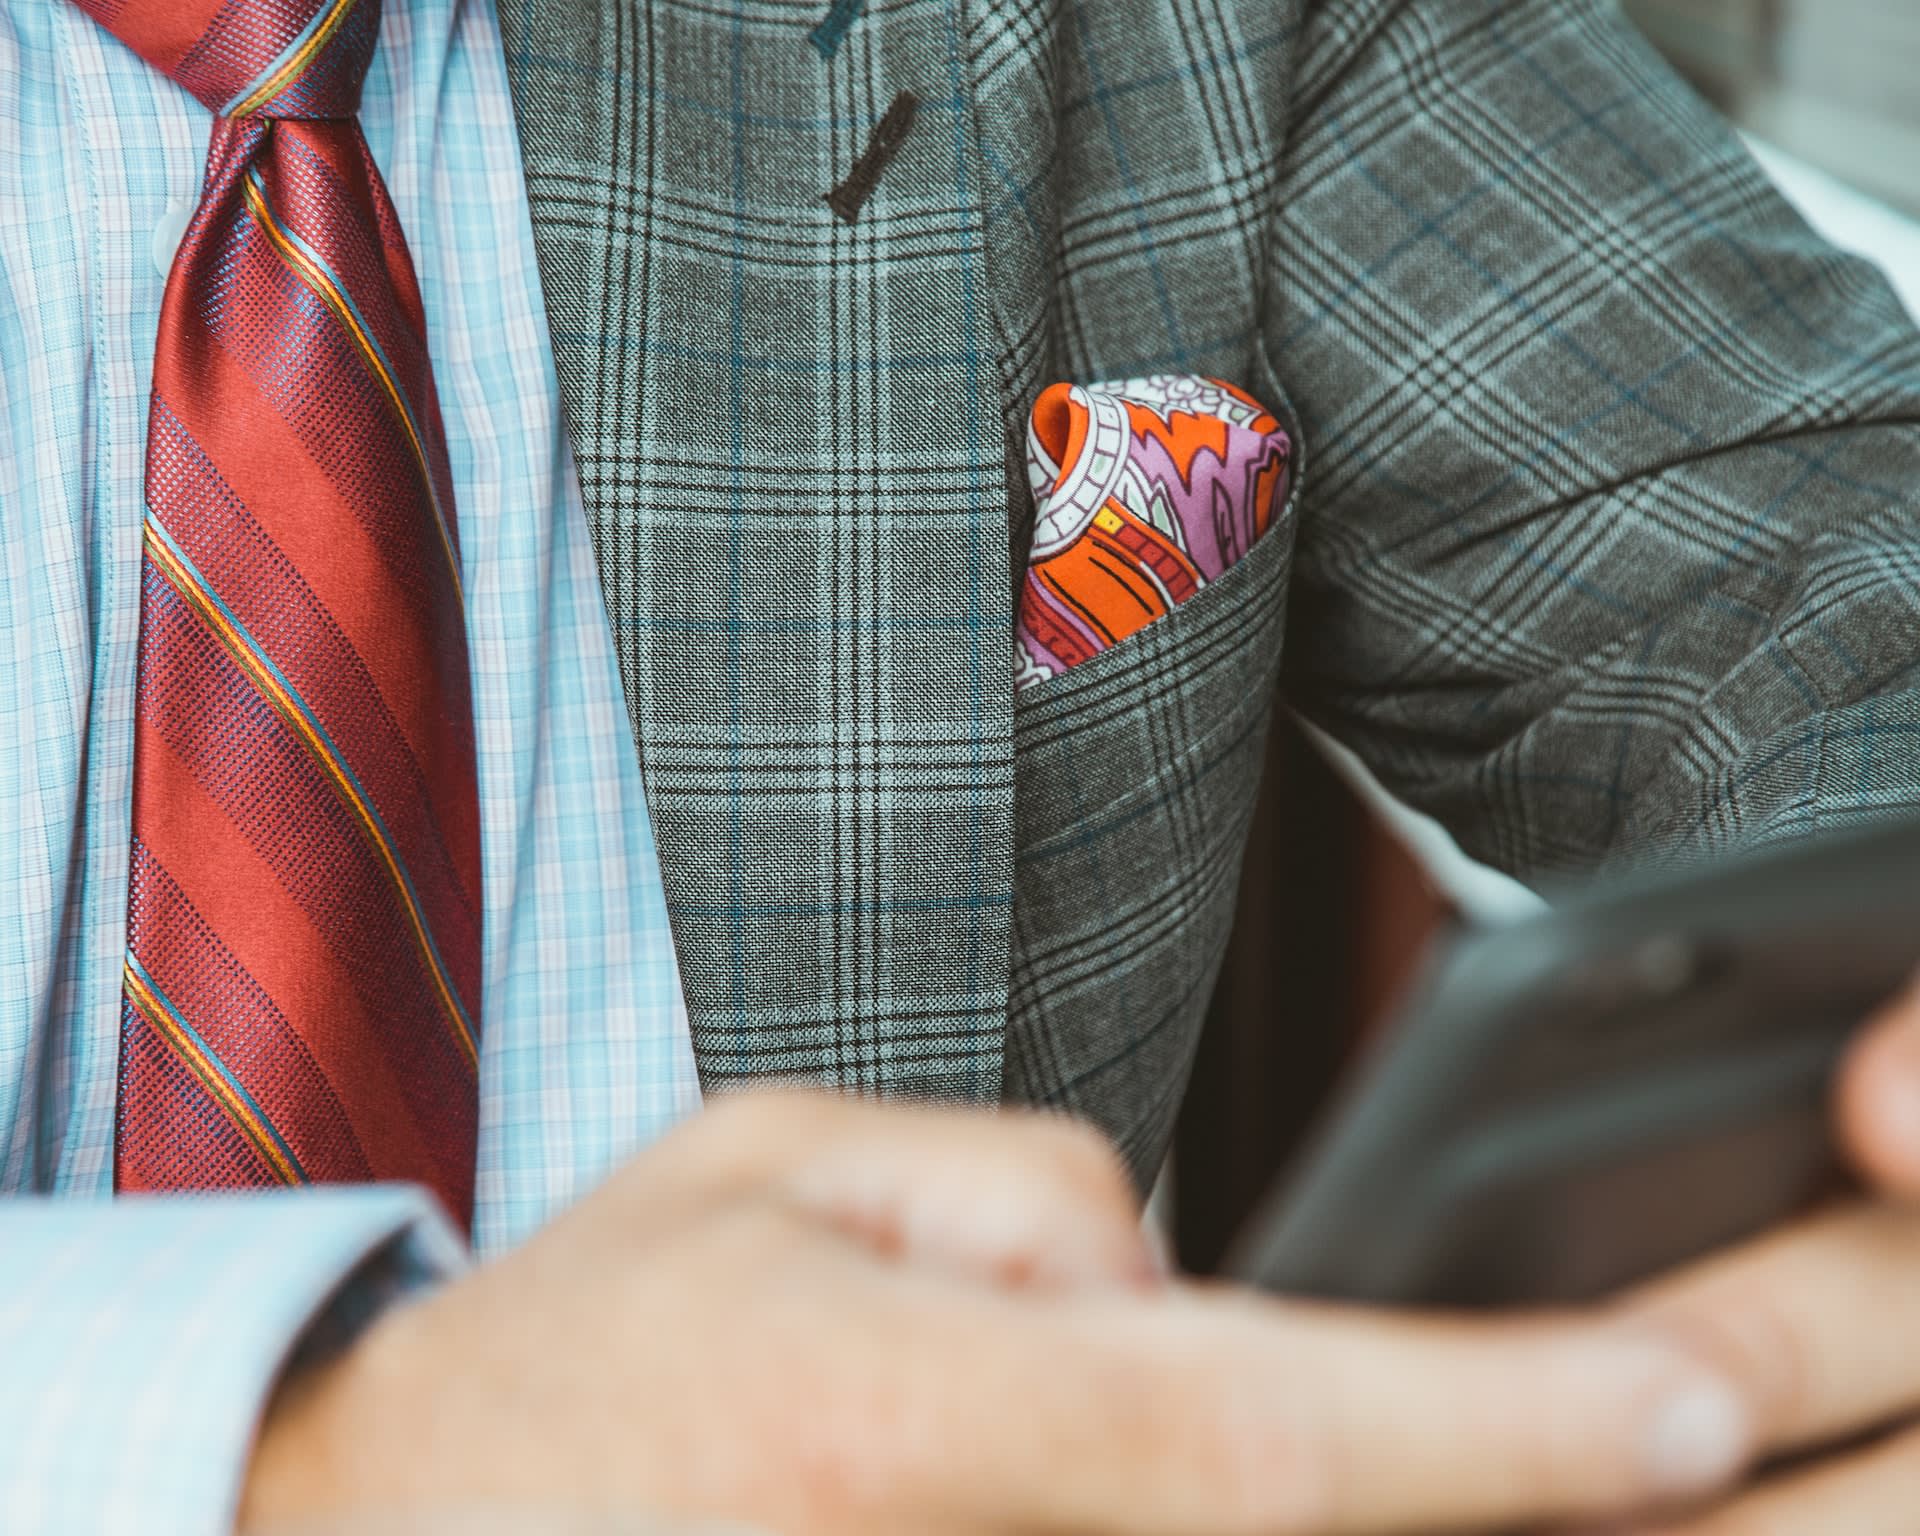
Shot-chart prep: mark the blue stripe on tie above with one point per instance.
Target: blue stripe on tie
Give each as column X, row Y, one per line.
column 341, row 291
column 328, row 745
column 373, row 340
column 279, row 60
column 213, row 1059
column 325, row 283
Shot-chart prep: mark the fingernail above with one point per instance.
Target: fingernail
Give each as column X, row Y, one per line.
column 1900, row 1101
column 1697, row 1439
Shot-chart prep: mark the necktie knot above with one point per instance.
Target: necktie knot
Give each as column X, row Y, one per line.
column 253, row 58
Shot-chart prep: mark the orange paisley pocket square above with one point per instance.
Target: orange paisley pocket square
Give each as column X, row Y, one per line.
column 1145, row 490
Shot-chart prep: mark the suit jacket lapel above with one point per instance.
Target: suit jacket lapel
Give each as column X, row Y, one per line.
column 790, row 443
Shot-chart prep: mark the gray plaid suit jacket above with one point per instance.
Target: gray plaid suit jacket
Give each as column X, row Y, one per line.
column 1607, row 544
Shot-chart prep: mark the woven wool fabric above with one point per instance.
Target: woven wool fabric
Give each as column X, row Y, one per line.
column 1606, row 482
column 303, row 930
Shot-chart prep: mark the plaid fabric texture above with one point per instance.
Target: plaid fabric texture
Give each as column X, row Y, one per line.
column 789, row 434
column 139, row 1338
column 1613, row 547
column 1604, row 547
column 1133, row 801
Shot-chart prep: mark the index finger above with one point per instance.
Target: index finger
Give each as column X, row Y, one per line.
column 1211, row 1414
column 1819, row 1321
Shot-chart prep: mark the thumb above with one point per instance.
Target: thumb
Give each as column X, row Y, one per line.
column 1877, row 1097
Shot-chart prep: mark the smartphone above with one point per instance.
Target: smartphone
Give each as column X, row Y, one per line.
column 1592, row 1095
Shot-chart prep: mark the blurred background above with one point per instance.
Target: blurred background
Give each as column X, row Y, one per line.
column 1344, row 889
column 1828, row 81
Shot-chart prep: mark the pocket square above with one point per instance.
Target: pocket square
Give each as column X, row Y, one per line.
column 1145, row 490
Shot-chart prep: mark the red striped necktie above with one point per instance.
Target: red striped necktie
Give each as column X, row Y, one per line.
column 302, row 989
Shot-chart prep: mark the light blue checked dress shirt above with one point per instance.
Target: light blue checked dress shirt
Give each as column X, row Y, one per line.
column 138, row 1339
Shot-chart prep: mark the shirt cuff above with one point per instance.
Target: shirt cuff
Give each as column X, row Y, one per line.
column 140, row 1339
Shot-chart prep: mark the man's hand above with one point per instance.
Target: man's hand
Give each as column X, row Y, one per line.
column 1821, row 1323
column 835, row 1320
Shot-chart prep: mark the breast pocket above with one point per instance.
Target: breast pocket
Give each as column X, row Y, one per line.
column 1136, row 773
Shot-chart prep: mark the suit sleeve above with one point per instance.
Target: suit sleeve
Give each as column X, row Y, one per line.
column 139, row 1340
column 1610, row 537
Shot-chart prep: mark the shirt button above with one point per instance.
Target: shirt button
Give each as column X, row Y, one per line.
column 166, row 234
